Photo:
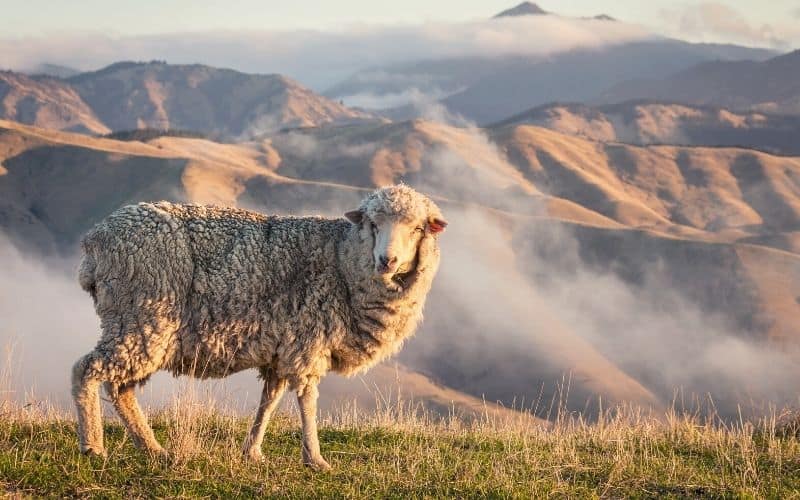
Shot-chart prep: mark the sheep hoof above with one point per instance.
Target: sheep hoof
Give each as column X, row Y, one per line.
column 94, row 452
column 159, row 453
column 318, row 464
column 254, row 456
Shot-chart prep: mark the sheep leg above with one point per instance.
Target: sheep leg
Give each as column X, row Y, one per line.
column 86, row 395
column 124, row 398
column 307, row 399
column 271, row 395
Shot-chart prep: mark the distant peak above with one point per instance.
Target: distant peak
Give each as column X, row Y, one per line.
column 604, row 17
column 523, row 9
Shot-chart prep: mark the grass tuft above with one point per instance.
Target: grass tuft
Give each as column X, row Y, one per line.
column 403, row 452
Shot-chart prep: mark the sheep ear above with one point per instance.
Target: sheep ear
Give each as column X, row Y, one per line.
column 354, row 216
column 436, row 224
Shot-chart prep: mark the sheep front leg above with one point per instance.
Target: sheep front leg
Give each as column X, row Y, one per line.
column 270, row 397
column 307, row 399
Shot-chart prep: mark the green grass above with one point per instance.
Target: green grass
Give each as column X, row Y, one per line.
column 400, row 454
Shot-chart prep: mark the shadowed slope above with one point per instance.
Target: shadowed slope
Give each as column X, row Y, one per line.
column 543, row 226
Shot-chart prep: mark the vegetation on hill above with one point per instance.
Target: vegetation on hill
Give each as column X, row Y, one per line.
column 148, row 134
column 403, row 454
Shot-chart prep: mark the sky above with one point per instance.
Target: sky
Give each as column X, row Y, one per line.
column 43, row 17
column 319, row 43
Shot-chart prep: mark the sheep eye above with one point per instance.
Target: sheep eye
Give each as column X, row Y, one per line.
column 419, row 230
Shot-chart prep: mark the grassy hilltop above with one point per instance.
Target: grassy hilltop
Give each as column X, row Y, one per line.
column 401, row 454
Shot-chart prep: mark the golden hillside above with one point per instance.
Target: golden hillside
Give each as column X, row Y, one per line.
column 539, row 222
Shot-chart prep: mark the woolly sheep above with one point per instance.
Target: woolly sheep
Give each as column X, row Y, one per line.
column 210, row 291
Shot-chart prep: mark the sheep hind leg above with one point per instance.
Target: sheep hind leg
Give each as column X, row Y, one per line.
column 307, row 398
column 123, row 396
column 271, row 395
column 86, row 378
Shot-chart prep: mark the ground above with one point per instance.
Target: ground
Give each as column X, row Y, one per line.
column 402, row 454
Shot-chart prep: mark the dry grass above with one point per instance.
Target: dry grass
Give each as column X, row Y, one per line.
column 401, row 451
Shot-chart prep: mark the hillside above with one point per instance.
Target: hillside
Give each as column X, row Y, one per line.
column 769, row 86
column 718, row 194
column 489, row 89
column 650, row 122
column 698, row 246
column 218, row 102
column 47, row 103
column 400, row 453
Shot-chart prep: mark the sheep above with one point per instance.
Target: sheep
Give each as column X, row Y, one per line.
column 209, row 291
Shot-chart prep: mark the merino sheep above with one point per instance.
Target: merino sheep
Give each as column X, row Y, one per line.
column 209, row 291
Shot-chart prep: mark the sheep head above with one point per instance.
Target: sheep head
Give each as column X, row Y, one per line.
column 395, row 220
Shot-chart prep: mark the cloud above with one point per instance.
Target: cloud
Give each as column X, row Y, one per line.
column 517, row 306
column 321, row 58
column 713, row 21
column 371, row 100
column 47, row 323
column 520, row 303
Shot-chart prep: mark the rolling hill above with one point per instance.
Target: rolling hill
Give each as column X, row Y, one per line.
column 652, row 122
column 46, row 102
column 489, row 89
column 577, row 75
column 220, row 103
column 769, row 86
column 697, row 247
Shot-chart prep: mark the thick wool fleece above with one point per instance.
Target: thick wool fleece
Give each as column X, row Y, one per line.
column 209, row 291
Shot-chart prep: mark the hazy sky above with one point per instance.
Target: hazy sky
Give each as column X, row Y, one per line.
column 42, row 17
column 321, row 42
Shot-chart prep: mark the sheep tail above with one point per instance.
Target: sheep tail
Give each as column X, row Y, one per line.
column 86, row 273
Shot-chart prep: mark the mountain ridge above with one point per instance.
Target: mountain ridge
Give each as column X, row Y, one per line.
column 746, row 85
column 717, row 228
column 654, row 122
column 522, row 9
column 127, row 95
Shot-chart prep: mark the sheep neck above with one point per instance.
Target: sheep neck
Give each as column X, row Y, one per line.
column 381, row 318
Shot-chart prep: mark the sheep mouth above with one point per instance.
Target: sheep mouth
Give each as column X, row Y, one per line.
column 401, row 278
column 406, row 278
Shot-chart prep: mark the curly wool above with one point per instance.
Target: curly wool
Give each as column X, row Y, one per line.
column 209, row 291
column 401, row 201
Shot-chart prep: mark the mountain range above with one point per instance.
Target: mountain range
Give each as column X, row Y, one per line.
column 659, row 122
column 221, row 103
column 770, row 85
column 714, row 229
column 624, row 224
column 492, row 88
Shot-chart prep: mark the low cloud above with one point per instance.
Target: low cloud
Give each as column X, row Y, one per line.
column 47, row 323
column 321, row 58
column 370, row 100
column 717, row 22
column 517, row 305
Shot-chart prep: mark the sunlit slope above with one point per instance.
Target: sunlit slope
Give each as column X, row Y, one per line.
column 722, row 193
column 47, row 103
column 221, row 103
column 718, row 226
column 719, row 194
column 652, row 122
